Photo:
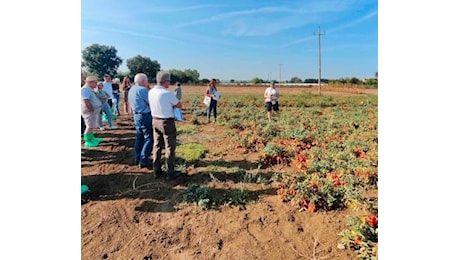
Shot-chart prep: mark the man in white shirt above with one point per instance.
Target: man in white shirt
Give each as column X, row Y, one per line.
column 162, row 103
column 107, row 87
column 271, row 96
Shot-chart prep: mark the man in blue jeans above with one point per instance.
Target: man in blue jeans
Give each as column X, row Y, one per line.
column 139, row 102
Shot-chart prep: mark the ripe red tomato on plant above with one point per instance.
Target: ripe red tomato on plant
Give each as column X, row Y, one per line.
column 372, row 220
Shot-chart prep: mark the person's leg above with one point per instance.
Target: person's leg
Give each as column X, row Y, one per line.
column 170, row 145
column 215, row 109
column 275, row 109
column 138, row 144
column 83, row 125
column 147, row 131
column 115, row 104
column 125, row 103
column 91, row 122
column 268, row 108
column 208, row 112
column 108, row 114
column 97, row 120
column 157, row 145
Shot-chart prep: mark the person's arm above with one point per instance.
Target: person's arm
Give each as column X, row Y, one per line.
column 266, row 94
column 88, row 105
column 277, row 93
column 208, row 92
column 178, row 105
column 105, row 96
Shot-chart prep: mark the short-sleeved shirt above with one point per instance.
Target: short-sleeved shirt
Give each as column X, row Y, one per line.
column 178, row 92
column 88, row 93
column 271, row 92
column 107, row 86
column 162, row 102
column 212, row 91
column 102, row 94
column 138, row 98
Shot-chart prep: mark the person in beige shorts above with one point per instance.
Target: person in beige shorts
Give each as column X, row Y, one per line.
column 90, row 110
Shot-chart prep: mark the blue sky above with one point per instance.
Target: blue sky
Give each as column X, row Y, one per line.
column 240, row 39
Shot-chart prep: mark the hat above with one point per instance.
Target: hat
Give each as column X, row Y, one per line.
column 91, row 78
column 163, row 76
column 272, row 83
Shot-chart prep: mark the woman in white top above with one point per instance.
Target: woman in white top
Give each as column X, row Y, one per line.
column 271, row 96
column 211, row 91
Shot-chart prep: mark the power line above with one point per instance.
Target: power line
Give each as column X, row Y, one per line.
column 319, row 33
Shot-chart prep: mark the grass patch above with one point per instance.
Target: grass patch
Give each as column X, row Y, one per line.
column 187, row 129
column 191, row 151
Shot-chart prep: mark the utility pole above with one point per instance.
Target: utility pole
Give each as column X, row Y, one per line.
column 319, row 33
column 280, row 71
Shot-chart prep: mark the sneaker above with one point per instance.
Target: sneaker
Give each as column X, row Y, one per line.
column 101, row 128
column 172, row 176
column 113, row 127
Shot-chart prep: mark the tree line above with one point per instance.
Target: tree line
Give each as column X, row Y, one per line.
column 100, row 59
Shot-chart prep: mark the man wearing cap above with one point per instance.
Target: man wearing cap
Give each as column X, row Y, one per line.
column 271, row 96
column 162, row 103
column 139, row 102
column 90, row 110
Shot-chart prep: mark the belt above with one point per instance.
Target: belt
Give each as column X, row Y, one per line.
column 159, row 118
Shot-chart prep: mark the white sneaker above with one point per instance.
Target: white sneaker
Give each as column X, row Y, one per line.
column 101, row 128
column 113, row 127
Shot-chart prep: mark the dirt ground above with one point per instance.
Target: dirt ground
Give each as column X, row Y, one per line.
column 131, row 215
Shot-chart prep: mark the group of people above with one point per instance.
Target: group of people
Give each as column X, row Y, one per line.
column 271, row 96
column 153, row 113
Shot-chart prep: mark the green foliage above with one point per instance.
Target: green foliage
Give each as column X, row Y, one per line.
column 361, row 234
column 140, row 64
column 101, row 59
column 237, row 197
column 256, row 80
column 295, row 80
column 187, row 129
column 198, row 195
column 191, row 151
column 188, row 76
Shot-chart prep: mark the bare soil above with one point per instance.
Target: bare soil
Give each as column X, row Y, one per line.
column 131, row 215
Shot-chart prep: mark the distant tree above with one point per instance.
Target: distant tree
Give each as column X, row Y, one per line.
column 311, row 81
column 255, row 80
column 187, row 76
column 101, row 59
column 376, row 75
column 204, row 81
column 140, row 64
column 177, row 76
column 191, row 76
column 355, row 80
column 232, row 81
column 295, row 80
